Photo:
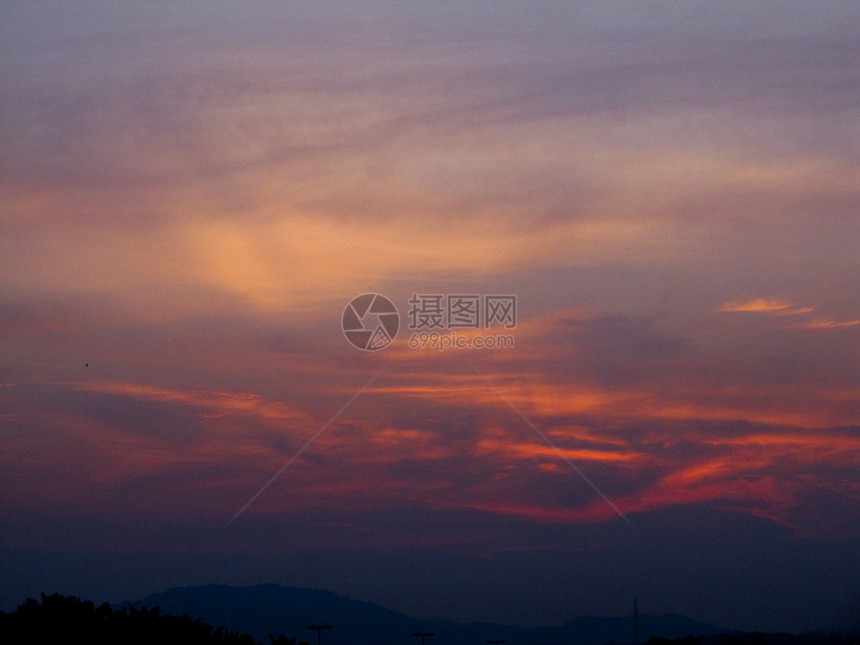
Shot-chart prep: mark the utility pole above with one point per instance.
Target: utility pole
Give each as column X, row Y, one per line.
column 319, row 629
column 636, row 621
column 423, row 636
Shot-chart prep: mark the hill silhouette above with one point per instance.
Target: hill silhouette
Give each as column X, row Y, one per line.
column 61, row 619
column 275, row 609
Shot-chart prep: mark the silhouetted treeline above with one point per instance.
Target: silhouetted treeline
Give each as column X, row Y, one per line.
column 60, row 619
column 758, row 638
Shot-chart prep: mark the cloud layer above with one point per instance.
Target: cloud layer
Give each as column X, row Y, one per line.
column 191, row 197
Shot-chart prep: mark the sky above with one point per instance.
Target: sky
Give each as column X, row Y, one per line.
column 193, row 193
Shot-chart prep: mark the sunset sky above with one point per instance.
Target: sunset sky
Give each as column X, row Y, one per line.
column 192, row 193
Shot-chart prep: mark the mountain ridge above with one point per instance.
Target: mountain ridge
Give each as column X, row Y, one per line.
column 270, row 608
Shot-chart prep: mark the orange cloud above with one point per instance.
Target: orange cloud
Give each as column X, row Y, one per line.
column 520, row 450
column 218, row 403
column 823, row 323
column 776, row 307
column 765, row 305
column 789, row 406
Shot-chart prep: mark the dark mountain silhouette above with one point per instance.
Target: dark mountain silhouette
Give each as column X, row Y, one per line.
column 274, row 609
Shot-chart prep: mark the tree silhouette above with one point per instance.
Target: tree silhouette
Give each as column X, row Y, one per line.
column 60, row 619
column 283, row 640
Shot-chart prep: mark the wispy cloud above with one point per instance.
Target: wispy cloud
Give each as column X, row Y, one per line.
column 764, row 305
column 212, row 401
column 778, row 307
column 823, row 323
